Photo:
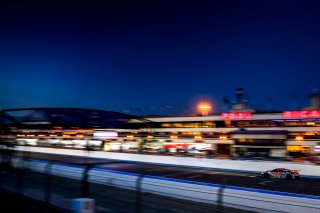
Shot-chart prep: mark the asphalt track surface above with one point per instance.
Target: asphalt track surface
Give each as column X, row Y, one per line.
column 308, row 186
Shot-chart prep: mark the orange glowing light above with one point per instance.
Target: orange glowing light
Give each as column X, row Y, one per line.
column 222, row 137
column 198, row 137
column 204, row 108
column 299, row 138
column 174, row 137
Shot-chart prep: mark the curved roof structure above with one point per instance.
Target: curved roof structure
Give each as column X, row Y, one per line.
column 6, row 121
column 67, row 117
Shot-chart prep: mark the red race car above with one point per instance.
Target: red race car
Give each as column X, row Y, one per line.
column 282, row 173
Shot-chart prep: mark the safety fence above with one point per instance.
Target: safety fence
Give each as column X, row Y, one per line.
column 58, row 184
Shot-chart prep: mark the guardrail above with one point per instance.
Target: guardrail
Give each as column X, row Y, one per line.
column 219, row 195
column 39, row 180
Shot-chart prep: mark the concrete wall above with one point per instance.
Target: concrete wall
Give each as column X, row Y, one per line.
column 239, row 165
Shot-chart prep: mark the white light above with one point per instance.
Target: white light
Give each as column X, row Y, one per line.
column 105, row 135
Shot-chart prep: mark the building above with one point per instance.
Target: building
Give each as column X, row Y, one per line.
column 63, row 127
column 241, row 132
column 295, row 133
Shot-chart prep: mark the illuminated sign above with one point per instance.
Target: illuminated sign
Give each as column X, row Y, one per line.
column 105, row 135
column 317, row 149
column 236, row 115
column 301, row 114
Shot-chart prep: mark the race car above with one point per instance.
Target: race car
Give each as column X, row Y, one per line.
column 282, row 173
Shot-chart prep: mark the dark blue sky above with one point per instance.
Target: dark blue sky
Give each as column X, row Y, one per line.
column 128, row 55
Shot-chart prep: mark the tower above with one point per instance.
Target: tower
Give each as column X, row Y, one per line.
column 315, row 99
column 241, row 102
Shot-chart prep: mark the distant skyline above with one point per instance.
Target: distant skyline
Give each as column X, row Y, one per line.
column 158, row 57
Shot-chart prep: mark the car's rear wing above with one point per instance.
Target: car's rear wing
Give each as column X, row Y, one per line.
column 296, row 171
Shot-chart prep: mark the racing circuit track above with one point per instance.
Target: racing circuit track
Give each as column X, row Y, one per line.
column 309, row 186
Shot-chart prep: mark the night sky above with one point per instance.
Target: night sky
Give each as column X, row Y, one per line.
column 158, row 57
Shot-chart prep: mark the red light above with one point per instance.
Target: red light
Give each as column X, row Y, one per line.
column 236, row 115
column 301, row 114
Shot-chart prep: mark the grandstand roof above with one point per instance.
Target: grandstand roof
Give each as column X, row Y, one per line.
column 66, row 117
